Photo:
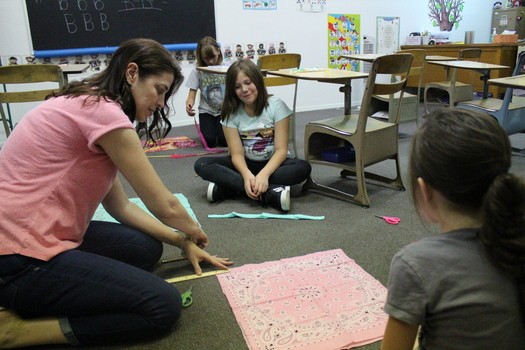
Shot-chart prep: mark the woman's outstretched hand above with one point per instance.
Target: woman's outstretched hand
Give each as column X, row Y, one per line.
column 196, row 255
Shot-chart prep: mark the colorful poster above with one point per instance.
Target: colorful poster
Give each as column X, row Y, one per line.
column 344, row 38
column 259, row 5
column 387, row 35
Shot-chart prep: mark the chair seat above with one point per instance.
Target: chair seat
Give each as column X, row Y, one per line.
column 396, row 96
column 494, row 104
column 347, row 124
column 444, row 84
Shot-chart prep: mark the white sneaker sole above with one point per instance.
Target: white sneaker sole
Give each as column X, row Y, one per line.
column 209, row 192
column 285, row 199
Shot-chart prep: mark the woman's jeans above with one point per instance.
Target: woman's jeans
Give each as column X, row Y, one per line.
column 101, row 292
column 220, row 170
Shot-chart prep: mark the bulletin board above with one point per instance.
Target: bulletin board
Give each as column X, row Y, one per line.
column 58, row 25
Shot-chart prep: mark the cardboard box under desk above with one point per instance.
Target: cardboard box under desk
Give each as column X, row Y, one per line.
column 506, row 38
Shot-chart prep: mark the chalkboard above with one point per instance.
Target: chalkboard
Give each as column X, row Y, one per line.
column 77, row 24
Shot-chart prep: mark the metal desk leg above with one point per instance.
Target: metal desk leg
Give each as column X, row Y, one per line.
column 347, row 91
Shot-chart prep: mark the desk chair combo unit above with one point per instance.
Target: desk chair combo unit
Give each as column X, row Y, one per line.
column 410, row 102
column 509, row 112
column 282, row 61
column 372, row 140
column 30, row 75
column 457, row 91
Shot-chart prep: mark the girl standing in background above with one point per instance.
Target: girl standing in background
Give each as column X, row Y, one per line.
column 211, row 87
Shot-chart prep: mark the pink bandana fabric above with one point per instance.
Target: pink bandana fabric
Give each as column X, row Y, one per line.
column 319, row 301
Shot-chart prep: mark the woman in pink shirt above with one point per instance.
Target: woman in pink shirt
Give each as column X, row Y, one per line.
column 67, row 279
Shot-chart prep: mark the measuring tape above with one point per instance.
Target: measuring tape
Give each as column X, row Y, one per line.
column 192, row 277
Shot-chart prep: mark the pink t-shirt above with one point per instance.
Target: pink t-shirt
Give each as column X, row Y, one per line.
column 53, row 176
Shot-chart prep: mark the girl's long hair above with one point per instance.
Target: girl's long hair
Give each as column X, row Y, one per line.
column 110, row 84
column 466, row 156
column 231, row 102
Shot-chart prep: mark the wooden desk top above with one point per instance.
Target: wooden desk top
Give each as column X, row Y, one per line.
column 468, row 65
column 462, row 46
column 439, row 58
column 367, row 57
column 74, row 68
column 517, row 81
column 221, row 69
column 321, row 74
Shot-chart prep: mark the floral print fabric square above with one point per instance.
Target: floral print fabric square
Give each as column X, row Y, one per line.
column 318, row 301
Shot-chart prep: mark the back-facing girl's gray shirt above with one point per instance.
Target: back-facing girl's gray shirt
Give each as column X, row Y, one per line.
column 447, row 284
column 212, row 90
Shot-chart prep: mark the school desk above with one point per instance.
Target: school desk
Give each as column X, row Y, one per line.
column 68, row 69
column 483, row 68
column 214, row 69
column 325, row 75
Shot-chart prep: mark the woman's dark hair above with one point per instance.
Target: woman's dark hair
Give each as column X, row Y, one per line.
column 466, row 156
column 231, row 102
column 206, row 48
column 152, row 59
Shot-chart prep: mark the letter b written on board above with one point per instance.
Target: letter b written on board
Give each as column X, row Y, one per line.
column 89, row 23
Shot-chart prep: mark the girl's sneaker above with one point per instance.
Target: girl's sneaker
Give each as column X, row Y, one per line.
column 217, row 194
column 277, row 197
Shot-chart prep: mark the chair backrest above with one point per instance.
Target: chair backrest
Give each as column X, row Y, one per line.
column 397, row 65
column 28, row 74
column 282, row 61
column 469, row 54
column 279, row 61
column 24, row 76
column 417, row 66
column 509, row 92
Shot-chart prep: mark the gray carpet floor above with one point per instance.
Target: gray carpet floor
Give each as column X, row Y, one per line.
column 209, row 323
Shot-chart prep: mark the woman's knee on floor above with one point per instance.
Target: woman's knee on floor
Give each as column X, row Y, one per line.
column 166, row 309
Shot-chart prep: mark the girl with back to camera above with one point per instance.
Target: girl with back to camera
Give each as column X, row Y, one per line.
column 211, row 87
column 67, row 279
column 465, row 287
column 256, row 128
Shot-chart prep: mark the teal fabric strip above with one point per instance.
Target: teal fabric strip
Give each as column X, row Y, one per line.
column 102, row 215
column 265, row 216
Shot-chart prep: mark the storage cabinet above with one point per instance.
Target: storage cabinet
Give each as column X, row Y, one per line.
column 509, row 19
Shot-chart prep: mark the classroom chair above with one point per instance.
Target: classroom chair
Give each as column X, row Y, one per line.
column 455, row 90
column 410, row 102
column 354, row 142
column 282, row 61
column 509, row 112
column 27, row 77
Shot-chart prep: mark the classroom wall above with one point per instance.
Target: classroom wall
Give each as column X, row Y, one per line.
column 303, row 32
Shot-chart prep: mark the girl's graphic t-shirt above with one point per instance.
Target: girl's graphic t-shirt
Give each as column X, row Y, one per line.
column 257, row 133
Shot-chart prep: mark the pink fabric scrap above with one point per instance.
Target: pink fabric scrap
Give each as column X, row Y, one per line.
column 319, row 301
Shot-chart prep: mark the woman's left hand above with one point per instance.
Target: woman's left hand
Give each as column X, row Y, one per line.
column 196, row 255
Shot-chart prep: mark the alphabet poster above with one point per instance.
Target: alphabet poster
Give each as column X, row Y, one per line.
column 344, row 38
